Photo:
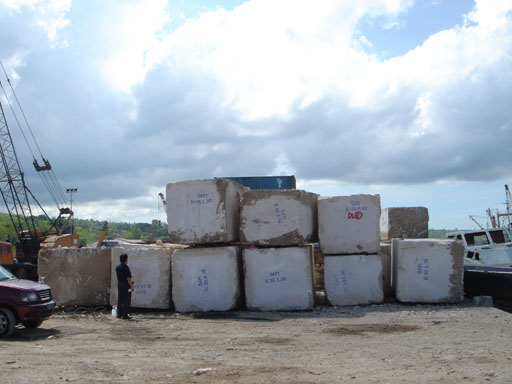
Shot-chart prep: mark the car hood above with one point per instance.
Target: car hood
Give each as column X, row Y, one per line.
column 26, row 285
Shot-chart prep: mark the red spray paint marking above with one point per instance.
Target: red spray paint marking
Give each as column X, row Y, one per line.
column 357, row 215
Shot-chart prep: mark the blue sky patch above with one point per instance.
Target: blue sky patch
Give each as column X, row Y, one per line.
column 390, row 37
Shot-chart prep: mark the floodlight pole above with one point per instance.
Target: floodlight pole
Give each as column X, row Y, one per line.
column 71, row 191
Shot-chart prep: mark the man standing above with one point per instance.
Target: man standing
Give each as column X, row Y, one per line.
column 124, row 288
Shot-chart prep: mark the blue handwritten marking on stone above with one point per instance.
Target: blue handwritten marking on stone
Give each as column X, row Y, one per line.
column 201, row 199
column 202, row 280
column 355, row 209
column 280, row 213
column 344, row 281
column 341, row 280
column 275, row 277
column 422, row 269
column 142, row 286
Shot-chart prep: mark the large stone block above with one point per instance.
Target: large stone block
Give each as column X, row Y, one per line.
column 151, row 274
column 279, row 279
column 349, row 224
column 404, row 223
column 385, row 252
column 274, row 217
column 428, row 270
column 206, row 279
column 203, row 211
column 77, row 276
column 353, row 279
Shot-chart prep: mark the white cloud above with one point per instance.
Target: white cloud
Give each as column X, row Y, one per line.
column 270, row 58
column 135, row 31
column 51, row 16
column 283, row 166
column 270, row 87
column 491, row 14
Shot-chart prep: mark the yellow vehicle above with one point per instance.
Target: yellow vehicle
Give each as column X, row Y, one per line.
column 7, row 255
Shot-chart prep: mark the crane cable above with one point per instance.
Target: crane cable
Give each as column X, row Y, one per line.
column 50, row 181
column 26, row 141
column 42, row 176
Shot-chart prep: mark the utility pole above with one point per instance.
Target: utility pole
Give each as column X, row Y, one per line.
column 71, row 191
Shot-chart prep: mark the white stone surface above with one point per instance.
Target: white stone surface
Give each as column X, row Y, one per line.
column 206, row 279
column 404, row 223
column 77, row 276
column 279, row 279
column 151, row 274
column 428, row 270
column 278, row 217
column 203, row 211
column 349, row 224
column 353, row 279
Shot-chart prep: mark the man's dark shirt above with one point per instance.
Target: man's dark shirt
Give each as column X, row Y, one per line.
column 123, row 273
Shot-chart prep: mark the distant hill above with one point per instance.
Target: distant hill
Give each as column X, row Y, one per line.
column 439, row 233
column 90, row 230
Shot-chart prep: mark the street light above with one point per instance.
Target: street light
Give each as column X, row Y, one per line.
column 71, row 191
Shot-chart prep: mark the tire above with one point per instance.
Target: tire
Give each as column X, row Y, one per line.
column 33, row 324
column 7, row 322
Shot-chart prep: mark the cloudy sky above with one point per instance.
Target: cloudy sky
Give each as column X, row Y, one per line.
column 410, row 99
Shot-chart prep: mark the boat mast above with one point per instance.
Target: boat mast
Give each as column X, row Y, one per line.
column 508, row 205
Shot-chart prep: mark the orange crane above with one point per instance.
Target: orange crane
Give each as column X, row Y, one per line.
column 103, row 234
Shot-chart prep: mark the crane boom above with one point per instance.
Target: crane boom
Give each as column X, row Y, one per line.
column 103, row 234
column 14, row 191
column 16, row 194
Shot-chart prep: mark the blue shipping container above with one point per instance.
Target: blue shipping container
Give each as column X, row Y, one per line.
column 266, row 182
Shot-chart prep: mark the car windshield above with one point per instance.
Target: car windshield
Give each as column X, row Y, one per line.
column 5, row 274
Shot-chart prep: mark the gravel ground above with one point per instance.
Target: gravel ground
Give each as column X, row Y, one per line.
column 386, row 343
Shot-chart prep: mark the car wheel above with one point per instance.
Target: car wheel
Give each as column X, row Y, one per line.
column 7, row 322
column 32, row 324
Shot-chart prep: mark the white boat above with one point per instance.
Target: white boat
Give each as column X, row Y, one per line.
column 487, row 261
column 486, row 247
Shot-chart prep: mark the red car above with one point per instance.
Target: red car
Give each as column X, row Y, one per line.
column 22, row 301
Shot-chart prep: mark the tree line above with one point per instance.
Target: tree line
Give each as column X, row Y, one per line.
column 90, row 230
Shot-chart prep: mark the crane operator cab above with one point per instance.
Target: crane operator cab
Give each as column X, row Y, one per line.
column 6, row 254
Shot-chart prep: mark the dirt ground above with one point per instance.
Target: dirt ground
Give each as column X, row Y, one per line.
column 386, row 343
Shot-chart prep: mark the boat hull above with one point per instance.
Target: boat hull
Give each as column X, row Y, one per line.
column 488, row 281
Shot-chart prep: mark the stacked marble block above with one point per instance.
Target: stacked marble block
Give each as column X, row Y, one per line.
column 402, row 223
column 348, row 231
column 205, row 215
column 78, row 276
column 151, row 271
column 428, row 270
column 275, row 228
column 422, row 270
